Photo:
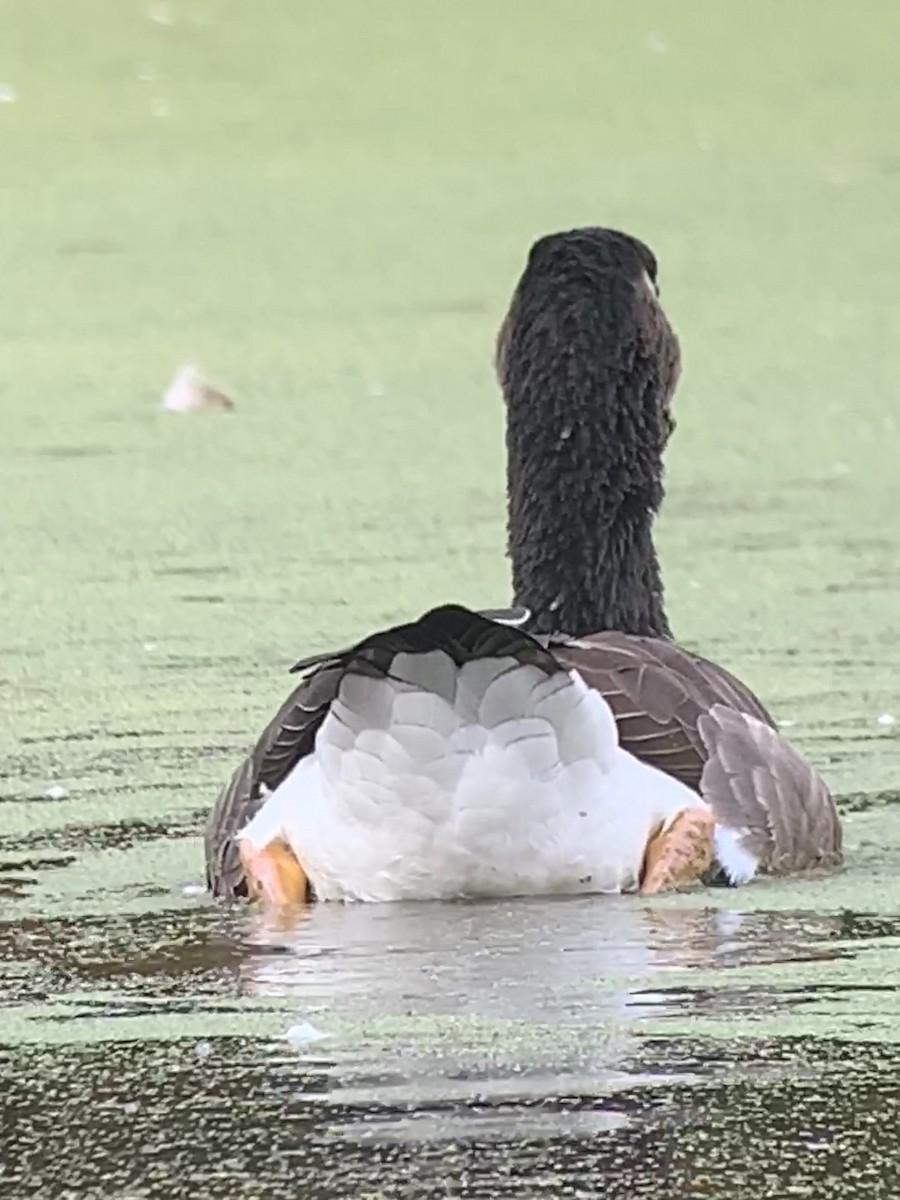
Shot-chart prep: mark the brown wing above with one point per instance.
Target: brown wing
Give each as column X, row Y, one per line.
column 696, row 721
column 755, row 779
column 285, row 740
column 658, row 693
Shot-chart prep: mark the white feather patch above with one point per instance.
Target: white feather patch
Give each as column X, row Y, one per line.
column 492, row 779
column 738, row 864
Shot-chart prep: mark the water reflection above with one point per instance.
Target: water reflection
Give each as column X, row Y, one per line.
column 530, row 959
column 467, row 1018
column 473, row 1050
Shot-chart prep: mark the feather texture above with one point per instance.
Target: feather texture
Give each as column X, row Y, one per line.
column 673, row 710
column 455, row 762
column 588, row 364
column 755, row 780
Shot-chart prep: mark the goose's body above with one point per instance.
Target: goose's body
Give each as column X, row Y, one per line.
column 456, row 756
column 457, row 759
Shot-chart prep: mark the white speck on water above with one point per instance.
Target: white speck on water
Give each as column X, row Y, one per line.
column 130, row 1107
column 565, row 433
column 149, row 647
column 728, row 921
column 695, row 584
column 725, row 948
column 159, row 108
column 657, row 43
column 841, row 174
column 376, row 389
column 56, row 792
column 190, row 392
column 8, row 94
column 304, row 1033
column 146, row 74
column 886, row 719
column 160, row 11
column 786, row 724
column 203, row 1049
column 193, row 889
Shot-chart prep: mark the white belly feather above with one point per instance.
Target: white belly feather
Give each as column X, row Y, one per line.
column 489, row 779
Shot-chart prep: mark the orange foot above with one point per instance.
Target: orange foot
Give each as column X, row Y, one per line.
column 274, row 873
column 679, row 853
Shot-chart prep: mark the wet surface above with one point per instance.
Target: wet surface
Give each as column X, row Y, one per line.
column 789, row 1118
column 461, row 1050
column 342, row 256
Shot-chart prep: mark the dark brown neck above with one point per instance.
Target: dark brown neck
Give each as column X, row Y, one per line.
column 584, row 483
column 573, row 591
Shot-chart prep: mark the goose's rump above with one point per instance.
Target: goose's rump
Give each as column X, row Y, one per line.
column 656, row 690
column 658, row 693
column 457, row 759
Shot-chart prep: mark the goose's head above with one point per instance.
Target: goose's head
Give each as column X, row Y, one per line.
column 587, row 306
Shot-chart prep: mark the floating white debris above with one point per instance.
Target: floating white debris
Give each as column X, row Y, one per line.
column 130, row 1107
column 8, row 94
column 657, row 43
column 376, row 390
column 786, row 724
column 56, row 792
column 189, row 392
column 886, row 719
column 203, row 1049
column 193, row 889
column 304, row 1033
column 159, row 108
column 149, row 647
column 146, row 74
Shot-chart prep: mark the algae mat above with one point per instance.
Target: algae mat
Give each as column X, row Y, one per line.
column 327, row 206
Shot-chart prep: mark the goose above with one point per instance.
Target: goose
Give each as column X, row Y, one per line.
column 567, row 744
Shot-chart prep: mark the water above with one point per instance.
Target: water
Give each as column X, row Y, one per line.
column 529, row 1049
column 329, row 219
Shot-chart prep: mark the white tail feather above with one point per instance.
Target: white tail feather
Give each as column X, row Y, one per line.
column 737, row 862
column 500, row 689
column 433, row 672
column 488, row 779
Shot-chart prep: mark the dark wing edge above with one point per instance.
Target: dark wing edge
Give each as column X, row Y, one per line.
column 755, row 780
column 287, row 738
column 515, row 617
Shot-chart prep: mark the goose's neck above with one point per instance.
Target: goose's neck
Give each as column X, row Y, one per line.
column 582, row 496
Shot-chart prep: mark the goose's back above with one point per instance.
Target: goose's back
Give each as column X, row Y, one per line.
column 661, row 696
column 658, row 692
